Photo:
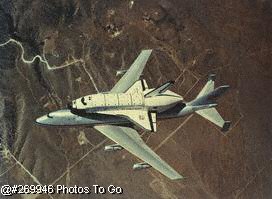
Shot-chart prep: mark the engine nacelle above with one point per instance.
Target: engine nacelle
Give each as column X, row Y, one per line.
column 120, row 72
column 114, row 147
column 139, row 166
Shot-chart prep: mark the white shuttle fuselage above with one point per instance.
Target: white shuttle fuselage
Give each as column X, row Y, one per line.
column 126, row 101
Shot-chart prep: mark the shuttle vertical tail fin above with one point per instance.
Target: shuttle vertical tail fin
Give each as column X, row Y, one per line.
column 164, row 87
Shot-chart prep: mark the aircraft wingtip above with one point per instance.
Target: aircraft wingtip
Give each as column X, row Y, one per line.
column 212, row 77
column 226, row 126
column 178, row 178
column 147, row 50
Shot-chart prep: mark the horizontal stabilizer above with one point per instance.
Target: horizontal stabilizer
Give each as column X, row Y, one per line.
column 213, row 116
column 160, row 89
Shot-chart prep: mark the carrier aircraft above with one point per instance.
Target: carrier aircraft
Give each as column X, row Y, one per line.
column 131, row 105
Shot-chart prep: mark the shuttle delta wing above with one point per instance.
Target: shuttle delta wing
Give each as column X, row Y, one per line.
column 140, row 117
column 133, row 73
column 129, row 139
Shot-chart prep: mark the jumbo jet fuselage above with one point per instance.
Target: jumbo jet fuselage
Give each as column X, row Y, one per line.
column 98, row 108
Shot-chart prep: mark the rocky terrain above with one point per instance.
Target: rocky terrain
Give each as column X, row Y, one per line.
column 81, row 44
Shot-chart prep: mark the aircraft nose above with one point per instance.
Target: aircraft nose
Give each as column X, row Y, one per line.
column 41, row 120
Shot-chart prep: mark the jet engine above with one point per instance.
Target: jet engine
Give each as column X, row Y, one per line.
column 120, row 72
column 114, row 147
column 139, row 166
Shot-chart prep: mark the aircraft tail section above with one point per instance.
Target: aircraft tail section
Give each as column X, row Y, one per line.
column 209, row 86
column 209, row 94
column 207, row 97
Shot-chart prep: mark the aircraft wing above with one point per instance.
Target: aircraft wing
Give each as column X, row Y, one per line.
column 133, row 74
column 140, row 117
column 129, row 139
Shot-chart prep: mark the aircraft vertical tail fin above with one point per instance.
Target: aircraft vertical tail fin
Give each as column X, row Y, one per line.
column 209, row 86
column 208, row 96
